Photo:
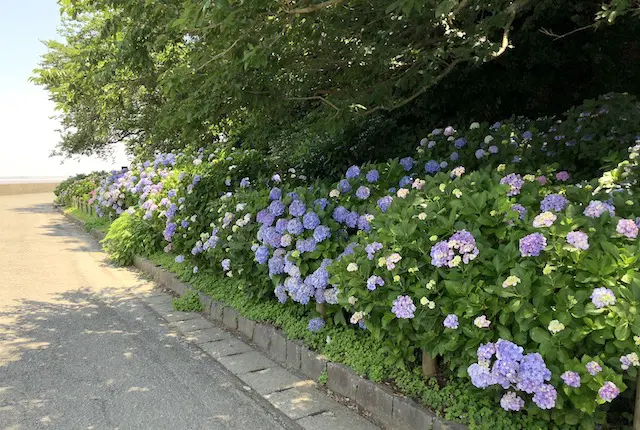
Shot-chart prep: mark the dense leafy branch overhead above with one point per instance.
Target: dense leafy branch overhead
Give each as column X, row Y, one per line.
column 174, row 73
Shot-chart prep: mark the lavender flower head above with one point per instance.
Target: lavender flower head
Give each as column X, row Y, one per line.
column 384, row 203
column 553, row 202
column 515, row 181
column 603, row 297
column 571, row 379
column 451, row 321
column 628, row 228
column 532, row 244
column 310, row 220
column 608, row 391
column 372, row 248
column 432, row 167
column 522, row 211
column 578, row 240
column 372, row 176
column 511, row 402
column 403, row 307
column 344, row 186
column 297, row 208
column 275, row 193
column 593, row 368
column 596, row 208
column 226, row 264
column 375, row 281
column 562, row 176
column 179, row 259
column 545, row 397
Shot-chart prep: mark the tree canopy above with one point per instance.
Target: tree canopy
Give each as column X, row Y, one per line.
column 172, row 73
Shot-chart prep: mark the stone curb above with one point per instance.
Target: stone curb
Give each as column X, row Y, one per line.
column 391, row 410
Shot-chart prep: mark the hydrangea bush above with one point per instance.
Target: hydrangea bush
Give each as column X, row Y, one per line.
column 484, row 249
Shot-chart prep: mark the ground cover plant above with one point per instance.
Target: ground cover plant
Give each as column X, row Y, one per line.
column 507, row 252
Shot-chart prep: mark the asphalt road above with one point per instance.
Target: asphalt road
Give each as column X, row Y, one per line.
column 78, row 350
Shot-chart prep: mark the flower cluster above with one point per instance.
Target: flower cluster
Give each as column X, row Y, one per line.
column 460, row 248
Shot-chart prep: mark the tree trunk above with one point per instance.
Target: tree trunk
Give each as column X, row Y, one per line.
column 428, row 365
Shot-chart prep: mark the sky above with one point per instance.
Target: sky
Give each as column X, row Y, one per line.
column 27, row 132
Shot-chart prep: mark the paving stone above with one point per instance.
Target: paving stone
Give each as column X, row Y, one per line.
column 246, row 326
column 246, row 362
column 376, row 400
column 409, row 415
column 262, row 335
column 225, row 347
column 177, row 316
column 230, row 318
column 339, row 419
column 206, row 302
column 294, row 349
column 207, row 335
column 159, row 300
column 439, row 424
column 162, row 308
column 342, row 380
column 301, row 402
column 278, row 346
column 312, row 364
column 272, row 379
column 198, row 323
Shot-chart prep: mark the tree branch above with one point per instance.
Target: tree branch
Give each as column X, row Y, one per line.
column 513, row 11
column 560, row 36
column 218, row 55
column 314, row 7
column 421, row 91
column 322, row 99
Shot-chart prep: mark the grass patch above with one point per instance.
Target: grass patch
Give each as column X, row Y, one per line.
column 90, row 222
column 190, row 302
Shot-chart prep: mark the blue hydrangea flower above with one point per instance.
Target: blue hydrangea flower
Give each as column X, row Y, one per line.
column 321, row 203
column 179, row 259
column 275, row 193
column 315, row 324
column 340, row 214
column 451, row 321
column 372, row 176
column 460, row 143
column 553, row 202
column 384, row 203
column 310, row 220
column 403, row 307
column 281, row 225
column 262, row 254
column 321, row 233
column 374, row 281
column 432, row 167
column 532, row 245
column 353, row 172
column 493, row 149
column 276, row 208
column 404, row 181
column 295, row 227
column 407, row 163
column 454, row 156
column 480, row 153
column 351, row 220
column 344, row 186
column 363, row 192
column 297, row 208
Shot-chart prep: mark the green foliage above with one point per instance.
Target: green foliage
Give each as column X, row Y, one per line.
column 90, row 222
column 77, row 187
column 189, row 302
column 180, row 72
column 128, row 236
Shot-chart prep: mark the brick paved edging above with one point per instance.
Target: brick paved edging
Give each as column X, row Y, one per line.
column 391, row 410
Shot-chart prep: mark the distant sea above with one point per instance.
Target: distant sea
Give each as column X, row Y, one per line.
column 30, row 179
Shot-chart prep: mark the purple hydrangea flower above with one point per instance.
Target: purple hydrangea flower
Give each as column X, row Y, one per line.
column 363, row 223
column 511, row 402
column 351, row 220
column 432, row 167
column 454, row 156
column 306, row 245
column 460, row 143
column 244, row 183
column 593, row 368
column 384, row 203
column 451, row 321
column 515, row 181
column 441, row 254
column 532, row 373
column 353, row 172
column 276, row 265
column 532, row 244
column 628, row 228
column 372, row 248
column 310, row 220
column 545, row 397
column 403, row 307
column 226, row 264
column 480, row 153
column 281, row 225
column 480, row 374
column 315, row 324
column 603, row 297
column 571, row 379
column 179, row 259
column 527, row 135
column 407, row 163
column 486, row 351
column 493, row 149
column 363, row 192
column 375, row 281
column 596, row 208
column 297, row 208
column 265, row 217
column 372, row 176
column 553, row 202
column 321, row 233
column 522, row 211
column 404, row 181
column 608, row 391
column 322, row 203
column 562, row 176
column 578, row 239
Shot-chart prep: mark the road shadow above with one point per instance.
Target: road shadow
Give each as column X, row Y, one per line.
column 38, row 208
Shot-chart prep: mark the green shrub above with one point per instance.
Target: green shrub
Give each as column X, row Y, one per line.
column 189, row 302
column 129, row 236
